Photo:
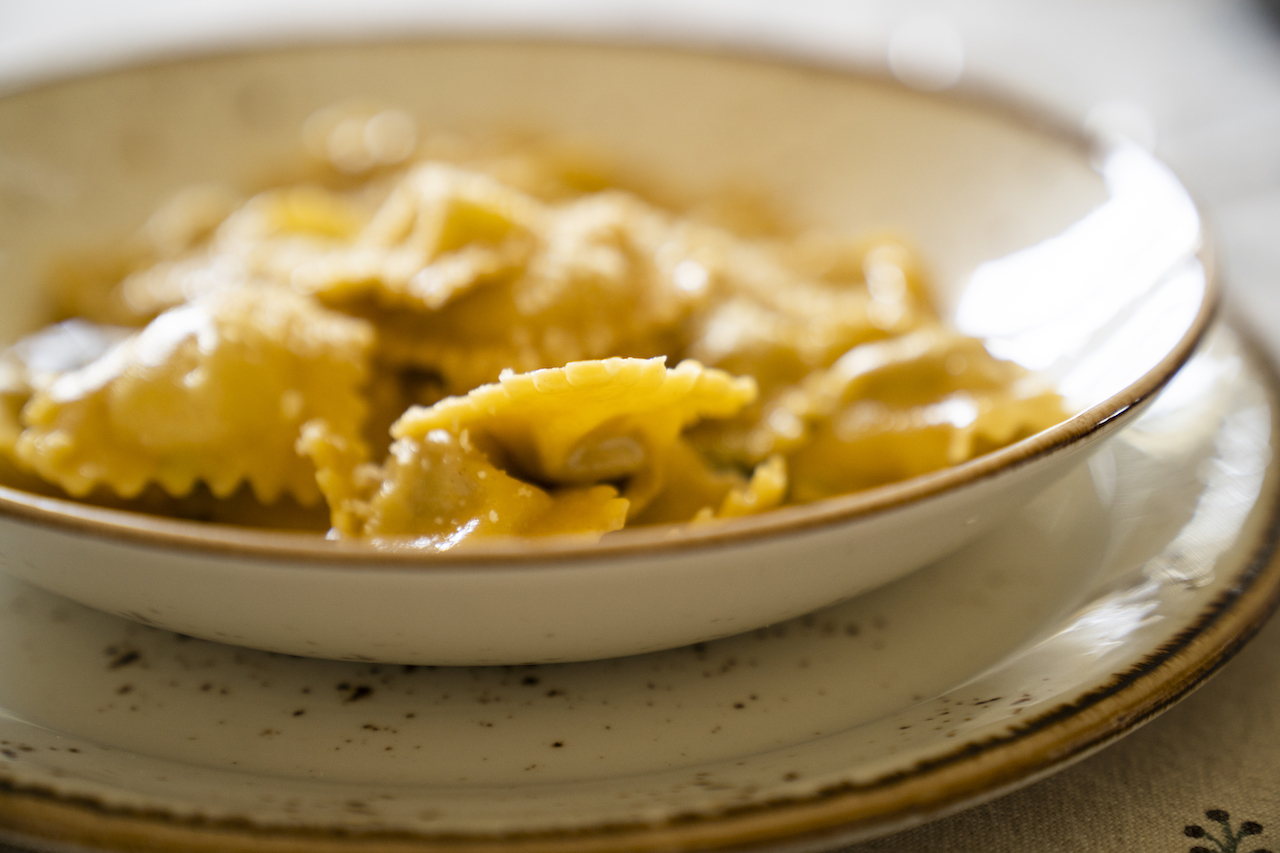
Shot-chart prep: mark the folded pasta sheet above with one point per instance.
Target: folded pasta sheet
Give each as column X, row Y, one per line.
column 891, row 410
column 213, row 391
column 440, row 490
column 541, row 452
column 588, row 421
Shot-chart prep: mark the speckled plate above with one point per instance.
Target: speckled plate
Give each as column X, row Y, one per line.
column 1096, row 607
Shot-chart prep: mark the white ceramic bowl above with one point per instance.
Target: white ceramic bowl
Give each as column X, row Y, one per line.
column 1086, row 264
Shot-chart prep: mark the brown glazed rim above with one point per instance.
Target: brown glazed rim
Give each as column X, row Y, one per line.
column 841, row 814
column 192, row 536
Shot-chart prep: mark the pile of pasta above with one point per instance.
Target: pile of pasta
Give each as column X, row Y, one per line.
column 439, row 350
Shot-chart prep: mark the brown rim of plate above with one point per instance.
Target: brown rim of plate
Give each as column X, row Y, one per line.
column 202, row 537
column 971, row 773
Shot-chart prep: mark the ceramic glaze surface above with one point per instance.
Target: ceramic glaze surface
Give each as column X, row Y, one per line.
column 1087, row 269
column 974, row 674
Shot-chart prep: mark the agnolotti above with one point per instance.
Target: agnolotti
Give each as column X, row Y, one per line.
column 892, row 409
column 534, row 453
column 437, row 492
column 466, row 277
column 440, row 232
column 214, row 391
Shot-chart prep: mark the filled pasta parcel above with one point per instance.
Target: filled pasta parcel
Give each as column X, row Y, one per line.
column 433, row 350
column 560, row 450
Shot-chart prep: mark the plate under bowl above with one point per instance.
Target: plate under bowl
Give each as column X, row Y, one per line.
column 1088, row 611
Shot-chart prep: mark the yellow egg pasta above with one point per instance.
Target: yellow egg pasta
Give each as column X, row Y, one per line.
column 588, row 422
column 440, row 490
column 213, row 391
column 490, row 343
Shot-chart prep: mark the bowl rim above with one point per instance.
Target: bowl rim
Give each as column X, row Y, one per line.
column 135, row 528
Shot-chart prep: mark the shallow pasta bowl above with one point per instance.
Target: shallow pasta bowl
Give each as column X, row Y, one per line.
column 1081, row 262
